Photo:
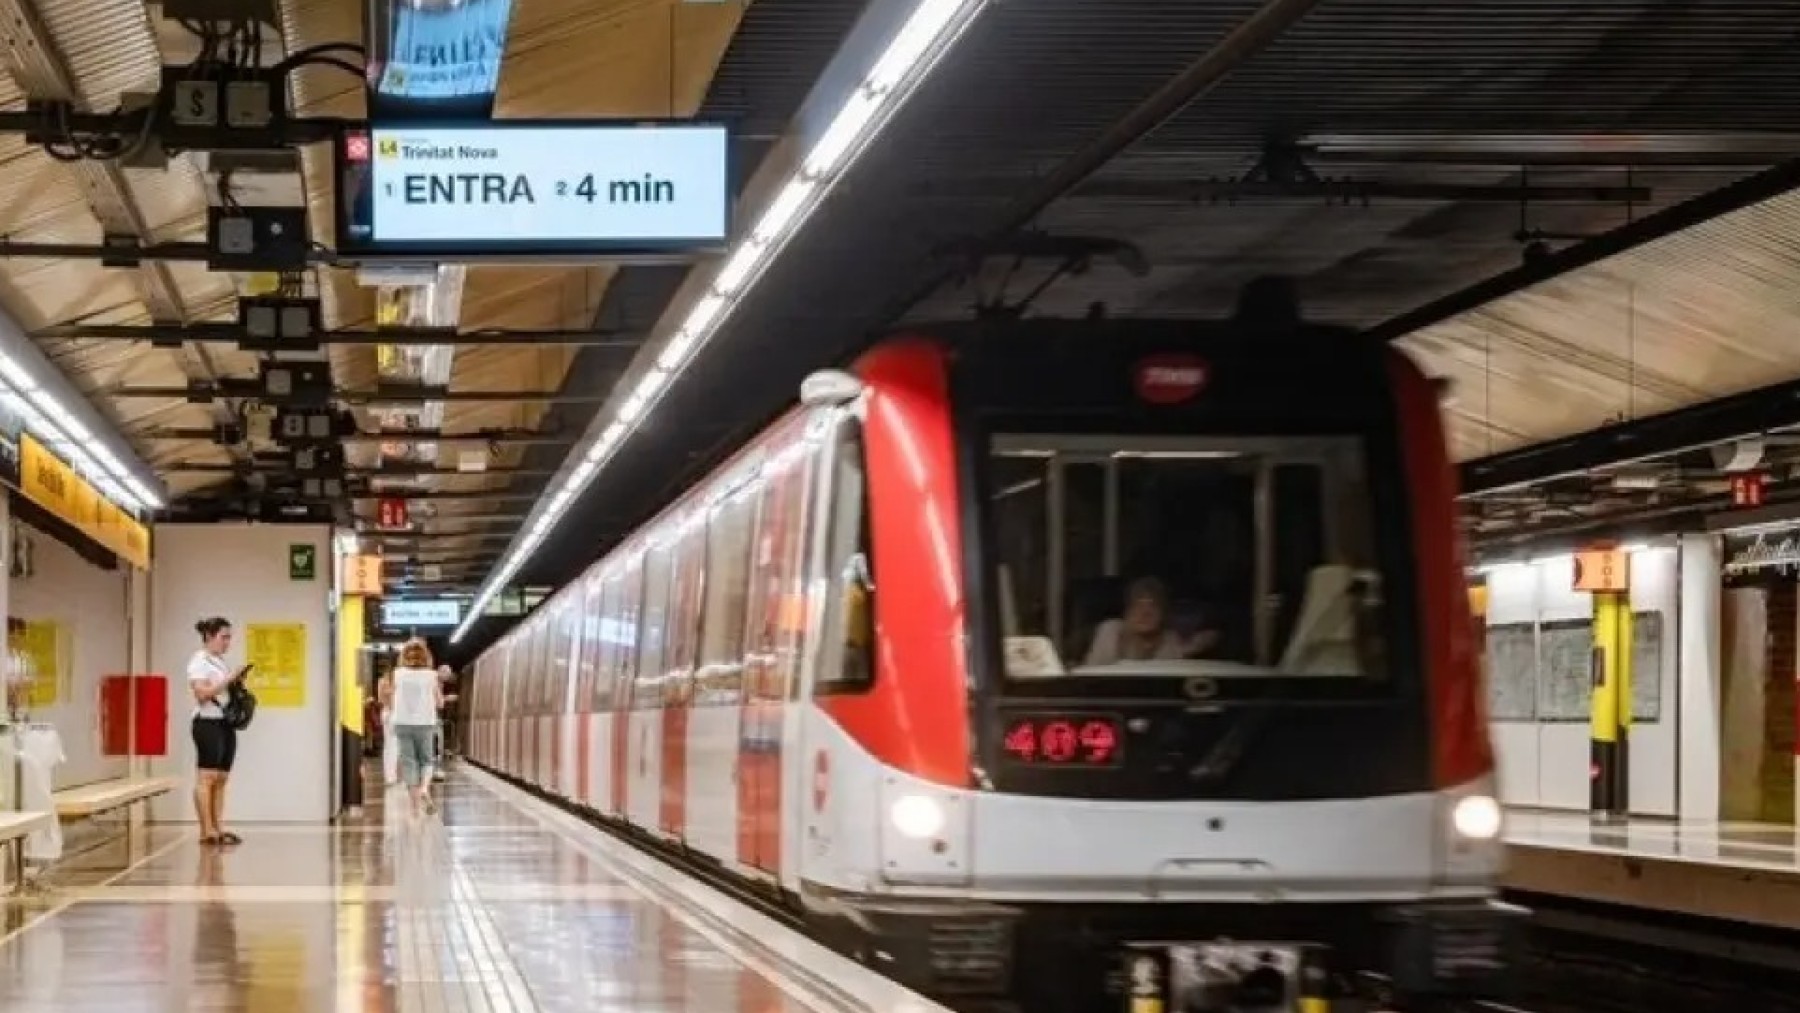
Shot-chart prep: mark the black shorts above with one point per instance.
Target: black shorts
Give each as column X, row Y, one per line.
column 215, row 744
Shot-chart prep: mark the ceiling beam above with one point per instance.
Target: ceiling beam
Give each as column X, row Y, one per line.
column 33, row 58
column 508, row 437
column 202, row 393
column 221, row 332
column 1776, row 406
column 386, row 471
column 1697, row 211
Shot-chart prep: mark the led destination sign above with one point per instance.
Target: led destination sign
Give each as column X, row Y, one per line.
column 532, row 189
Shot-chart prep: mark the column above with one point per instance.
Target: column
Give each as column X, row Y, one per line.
column 1699, row 682
column 350, row 701
column 1609, row 794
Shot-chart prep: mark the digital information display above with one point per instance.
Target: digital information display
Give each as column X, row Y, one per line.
column 432, row 612
column 1064, row 740
column 521, row 190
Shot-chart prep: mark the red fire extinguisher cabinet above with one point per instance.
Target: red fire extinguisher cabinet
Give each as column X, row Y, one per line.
column 134, row 715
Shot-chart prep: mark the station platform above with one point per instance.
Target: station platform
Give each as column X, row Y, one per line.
column 1741, row 872
column 498, row 903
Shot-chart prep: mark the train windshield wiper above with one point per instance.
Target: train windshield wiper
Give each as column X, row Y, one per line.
column 1229, row 751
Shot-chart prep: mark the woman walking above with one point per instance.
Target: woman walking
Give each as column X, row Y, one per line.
column 414, row 716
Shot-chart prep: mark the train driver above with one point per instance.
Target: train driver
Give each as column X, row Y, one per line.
column 1142, row 633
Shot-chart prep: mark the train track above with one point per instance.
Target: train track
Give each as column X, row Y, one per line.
column 1593, row 958
column 1579, row 958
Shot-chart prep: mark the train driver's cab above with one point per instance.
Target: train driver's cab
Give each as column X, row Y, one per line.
column 1185, row 557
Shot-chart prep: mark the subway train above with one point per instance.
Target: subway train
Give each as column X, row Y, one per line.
column 1029, row 657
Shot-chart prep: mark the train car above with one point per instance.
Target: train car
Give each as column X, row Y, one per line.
column 1023, row 651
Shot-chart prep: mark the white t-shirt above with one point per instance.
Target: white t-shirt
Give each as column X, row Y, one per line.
column 415, row 697
column 205, row 667
column 1108, row 647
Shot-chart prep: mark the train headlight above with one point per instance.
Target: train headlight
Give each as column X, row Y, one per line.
column 917, row 816
column 1477, row 817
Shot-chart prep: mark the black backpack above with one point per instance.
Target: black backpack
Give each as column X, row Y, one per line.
column 240, row 705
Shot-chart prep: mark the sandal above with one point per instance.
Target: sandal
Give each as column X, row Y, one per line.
column 230, row 838
column 209, row 841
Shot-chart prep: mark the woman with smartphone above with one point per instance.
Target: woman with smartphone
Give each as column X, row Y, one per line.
column 215, row 740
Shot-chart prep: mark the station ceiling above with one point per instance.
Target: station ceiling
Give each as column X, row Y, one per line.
column 1385, row 154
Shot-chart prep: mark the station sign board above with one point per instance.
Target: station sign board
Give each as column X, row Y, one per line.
column 54, row 485
column 527, row 190
column 362, row 574
column 1602, row 570
column 418, row 613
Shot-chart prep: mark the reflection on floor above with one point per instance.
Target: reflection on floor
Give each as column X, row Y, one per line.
column 1741, row 845
column 477, row 909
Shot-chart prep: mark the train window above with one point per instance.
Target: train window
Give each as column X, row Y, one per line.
column 721, row 674
column 853, row 578
column 1185, row 556
column 652, row 629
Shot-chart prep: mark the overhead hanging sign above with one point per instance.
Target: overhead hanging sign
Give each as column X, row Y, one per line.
column 1743, row 555
column 532, row 190
column 436, row 612
column 1602, row 569
column 53, row 484
column 362, row 575
column 446, row 51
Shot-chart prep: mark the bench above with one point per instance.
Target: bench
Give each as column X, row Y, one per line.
column 93, row 799
column 14, row 828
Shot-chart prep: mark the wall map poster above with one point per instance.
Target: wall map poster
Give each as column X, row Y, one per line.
column 1543, row 671
column 278, row 650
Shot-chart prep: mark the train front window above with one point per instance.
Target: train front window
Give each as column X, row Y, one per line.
column 1185, row 556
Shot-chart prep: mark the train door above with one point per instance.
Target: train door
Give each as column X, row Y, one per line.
column 507, row 737
column 502, row 706
column 524, row 718
column 619, row 630
column 777, row 615
column 549, row 680
column 569, row 702
column 586, row 710
column 682, row 641
column 715, row 727
column 513, row 726
column 472, row 719
column 531, row 681
column 839, row 658
column 496, row 706
column 644, row 795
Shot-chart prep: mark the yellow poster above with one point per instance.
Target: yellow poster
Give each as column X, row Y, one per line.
column 41, row 642
column 278, row 650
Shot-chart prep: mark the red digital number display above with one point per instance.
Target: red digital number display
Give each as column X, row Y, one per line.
column 1055, row 740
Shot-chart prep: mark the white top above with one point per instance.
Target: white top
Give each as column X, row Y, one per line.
column 1108, row 647
column 415, row 697
column 205, row 667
